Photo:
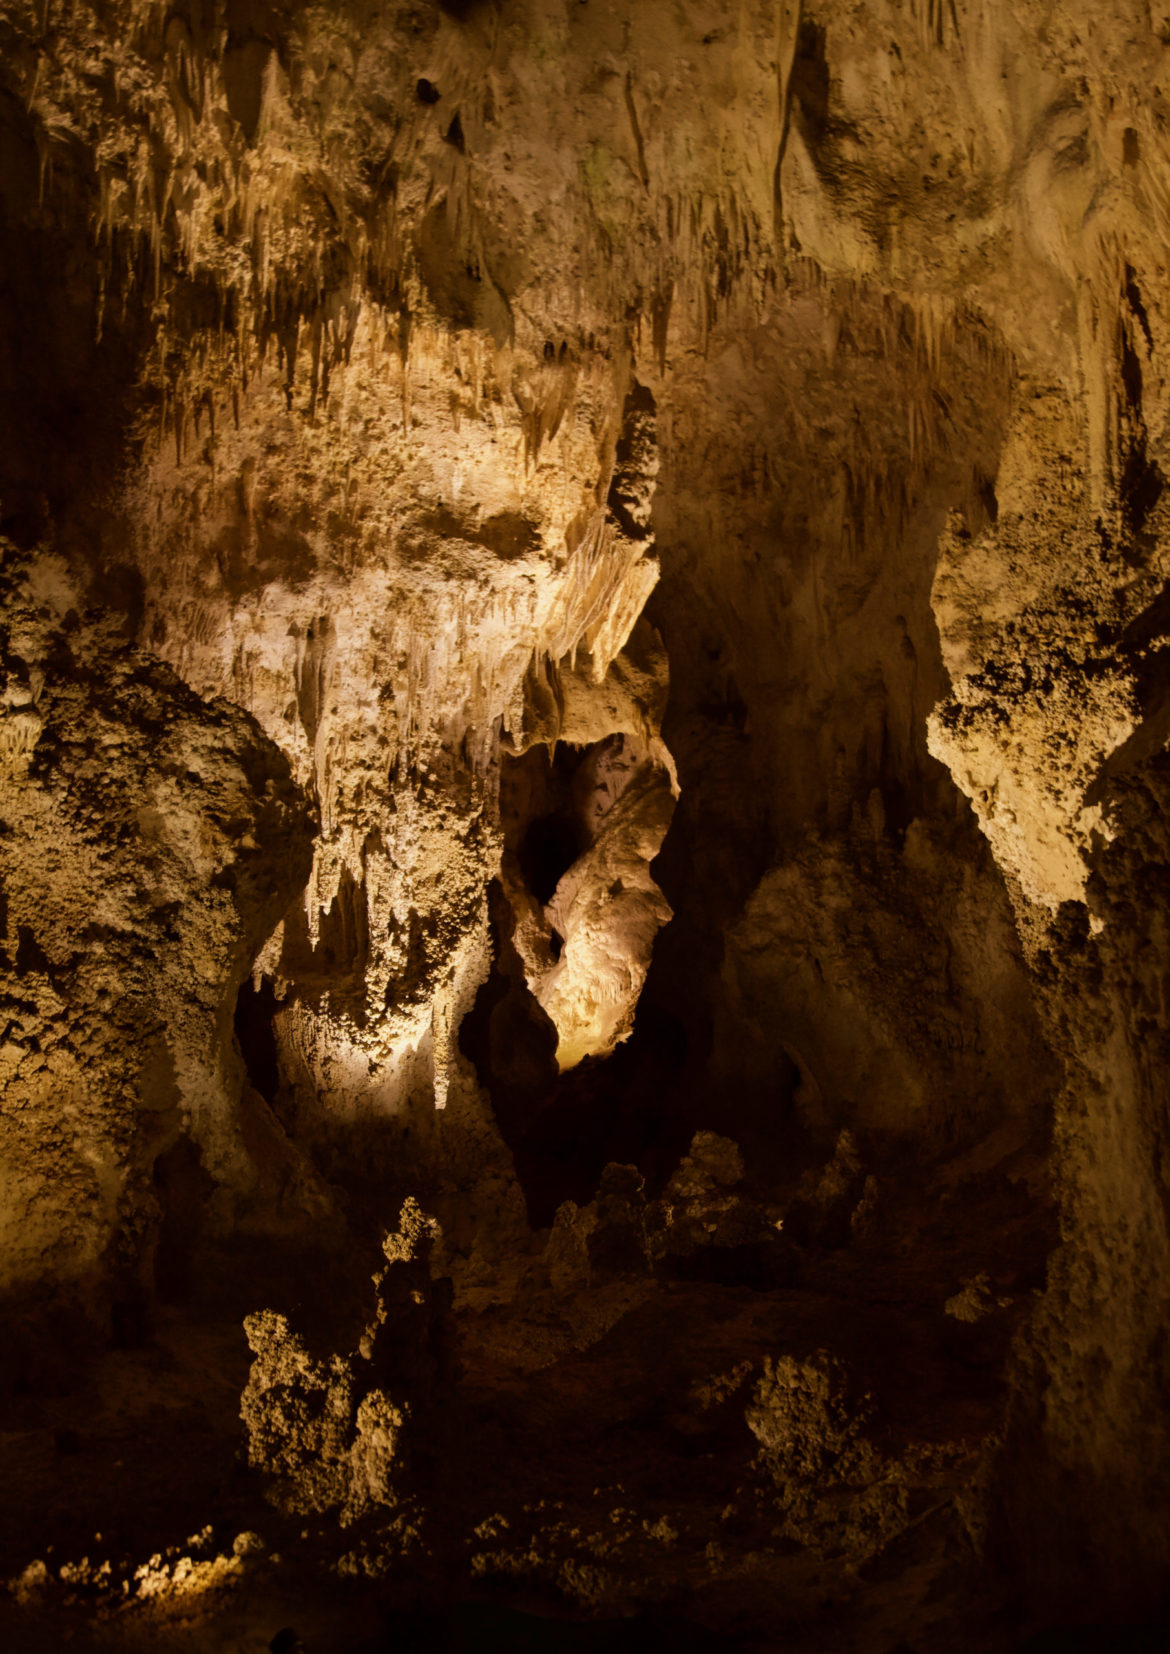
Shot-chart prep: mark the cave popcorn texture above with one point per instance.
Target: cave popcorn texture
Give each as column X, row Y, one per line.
column 583, row 733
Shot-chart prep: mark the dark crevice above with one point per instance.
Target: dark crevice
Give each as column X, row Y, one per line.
column 636, row 449
column 808, row 85
column 1134, row 299
column 1141, row 489
column 542, row 816
column 30, row 956
column 632, row 1106
column 549, row 848
column 1131, row 376
column 255, row 1010
column 564, row 1129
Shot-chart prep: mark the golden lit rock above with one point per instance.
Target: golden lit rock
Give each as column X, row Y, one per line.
column 583, row 795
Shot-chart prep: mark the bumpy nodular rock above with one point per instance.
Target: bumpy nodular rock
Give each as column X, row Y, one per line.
column 336, row 1433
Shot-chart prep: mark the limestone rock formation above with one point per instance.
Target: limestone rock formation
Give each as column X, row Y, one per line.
column 583, row 608
column 330, row 1433
column 150, row 841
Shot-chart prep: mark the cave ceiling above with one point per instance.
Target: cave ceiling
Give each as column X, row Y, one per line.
column 583, row 823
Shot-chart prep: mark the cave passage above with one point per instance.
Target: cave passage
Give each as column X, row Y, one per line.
column 541, row 815
column 584, row 825
column 550, row 846
column 255, row 1009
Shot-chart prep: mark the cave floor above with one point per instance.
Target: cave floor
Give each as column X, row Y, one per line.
column 598, row 1480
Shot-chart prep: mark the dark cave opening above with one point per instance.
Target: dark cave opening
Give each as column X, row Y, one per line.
column 642, row 1103
column 635, row 1107
column 548, row 850
column 256, row 1037
column 541, row 814
column 632, row 1106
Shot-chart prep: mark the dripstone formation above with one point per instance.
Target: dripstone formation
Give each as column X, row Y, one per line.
column 584, row 866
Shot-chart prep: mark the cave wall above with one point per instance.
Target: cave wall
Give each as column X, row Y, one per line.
column 323, row 387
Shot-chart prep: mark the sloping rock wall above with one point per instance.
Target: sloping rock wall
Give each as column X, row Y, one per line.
column 389, row 391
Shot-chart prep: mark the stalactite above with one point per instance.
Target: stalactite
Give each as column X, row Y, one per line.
column 438, row 441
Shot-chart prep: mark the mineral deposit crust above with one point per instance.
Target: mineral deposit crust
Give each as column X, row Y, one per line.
column 583, row 741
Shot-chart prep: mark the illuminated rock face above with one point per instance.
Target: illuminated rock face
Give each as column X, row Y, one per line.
column 578, row 576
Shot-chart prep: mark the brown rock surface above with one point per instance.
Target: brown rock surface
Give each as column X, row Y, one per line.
column 583, row 605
